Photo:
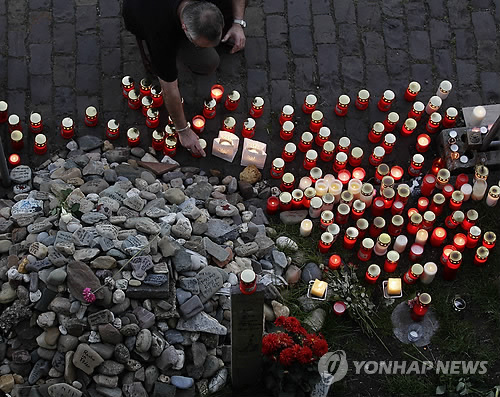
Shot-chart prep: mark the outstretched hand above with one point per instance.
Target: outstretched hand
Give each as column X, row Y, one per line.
column 190, row 141
column 235, row 35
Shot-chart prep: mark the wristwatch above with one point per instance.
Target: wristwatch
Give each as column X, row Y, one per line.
column 240, row 22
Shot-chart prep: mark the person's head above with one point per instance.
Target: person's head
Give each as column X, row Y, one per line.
column 202, row 22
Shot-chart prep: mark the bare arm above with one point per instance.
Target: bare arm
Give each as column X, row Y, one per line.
column 236, row 32
column 173, row 103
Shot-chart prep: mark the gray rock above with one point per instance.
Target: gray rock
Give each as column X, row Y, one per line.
column 182, row 382
column 191, row 307
column 210, row 366
column 293, row 217
column 218, row 381
column 247, row 249
column 89, row 142
column 168, row 358
column 63, row 390
column 173, row 336
column 183, row 295
column 215, row 250
column 117, row 155
column 202, row 322
column 199, row 353
column 135, row 389
column 111, row 368
column 311, row 271
column 200, row 190
column 168, row 246
column 279, row 259
column 175, row 196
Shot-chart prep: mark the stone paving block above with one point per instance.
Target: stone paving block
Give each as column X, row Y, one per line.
column 393, row 8
column 41, row 89
column 490, row 83
column 328, row 62
column 480, row 4
column 66, row 41
column 352, row 71
column 348, row 39
column 278, row 62
column 324, row 29
column 16, row 100
column 394, row 34
column 274, row 6
column 497, row 10
column 18, row 74
column 299, row 12
column 422, row 72
column 320, row 7
column 3, row 7
column 374, row 47
column 255, row 22
column 484, row 25
column 85, row 2
column 87, row 79
column 458, row 13
column 64, row 103
column 281, row 94
column 306, row 75
column 419, row 45
column 109, row 89
column 3, row 70
column 109, row 8
column 257, row 82
column 377, row 80
column 277, row 30
column 416, row 15
column 86, row 18
column 369, row 15
column 398, row 63
column 437, row 8
column 465, row 44
column 17, row 11
column 470, row 97
column 443, row 63
column 41, row 55
column 255, row 52
column 466, row 73
column 344, row 11
column 110, row 32
column 487, row 54
column 232, row 66
column 87, row 49
column 112, row 65
column 63, row 10
column 39, row 4
column 16, row 45
column 39, row 29
column 301, row 40
column 64, row 70
column 440, row 34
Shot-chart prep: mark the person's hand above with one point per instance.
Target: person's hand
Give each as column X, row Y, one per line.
column 235, row 35
column 190, row 141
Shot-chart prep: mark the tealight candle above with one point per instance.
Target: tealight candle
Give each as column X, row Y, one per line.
column 391, row 121
column 289, row 152
column 321, row 187
column 325, row 242
column 232, row 100
column 14, row 160
column 112, row 129
column 391, row 261
column 493, row 194
column 479, row 189
column 198, row 124
column 450, row 117
column 433, row 123
column 477, row 116
column 359, row 173
column 340, row 161
column 134, row 99
column 248, row 130
column 362, row 99
column 209, row 109
column 356, row 156
column 128, row 84
column 309, row 105
column 400, row 243
column 285, row 199
column 385, row 103
column 342, row 105
column 322, row 136
column 416, row 165
column 327, row 152
column 257, row 108
column 16, row 140
column 316, row 121
column 372, row 274
column 277, row 168
column 444, row 89
column 423, row 142
column 36, row 125
column 416, row 111
column 157, row 96
column 412, row 91
column 305, row 143
column 334, row 262
column 306, row 227
column 421, row 237
column 377, row 156
column 430, row 270
column 389, row 142
column 216, row 92
column 438, row 236
column 433, row 105
column 273, row 205
column 147, row 103
column 366, row 249
column 375, row 134
column 408, row 127
column 40, row 144
column 287, row 182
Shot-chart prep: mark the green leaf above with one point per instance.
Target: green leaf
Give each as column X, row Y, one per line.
column 440, row 390
column 75, row 207
column 460, row 386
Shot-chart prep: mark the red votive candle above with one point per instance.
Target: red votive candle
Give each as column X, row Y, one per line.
column 434, row 123
column 344, row 176
column 14, row 160
column 344, row 145
column 350, row 238
column 423, row 142
column 286, row 131
column 305, row 143
column 376, row 227
column 377, row 156
column 157, row 140
column 385, row 103
column 397, row 173
column 203, row 145
column 408, row 127
column 134, row 99
column 232, row 101
column 209, row 109
column 420, row 308
column 391, row 261
column 375, row 134
column 422, row 204
column 40, row 144
column 416, row 111
column 146, row 103
column 287, row 182
column 309, row 105
column 145, row 87
column 277, row 168
column 273, row 205
column 366, row 249
column 342, row 105
column 413, row 273
column 481, row 256
column 257, row 108
column 325, row 242
column 416, row 165
column 339, row 308
column 388, row 143
column 342, row 215
column 454, row 219
column 316, row 121
column 489, row 240
column 157, row 96
column 91, row 117
column 428, row 184
column 328, row 151
column 362, row 100
column 286, row 114
column 16, row 140
column 285, row 199
column 396, row 226
column 372, row 274
column 67, row 128
column 127, row 85
column 391, row 121
column 216, row 92
column 397, row 207
column 289, row 152
column 473, row 237
column 355, row 157
column 456, row 200
column 452, row 265
column 412, row 91
column 358, row 209
column 133, row 137
column 322, row 136
column 382, row 171
column 462, row 179
column 438, row 237
column 297, row 199
column 112, row 129
column 447, row 249
column 334, row 262
column 229, row 124
column 450, row 118
column 198, row 124
column 448, row 191
column 459, row 241
column 340, row 162
column 359, row 173
column 437, row 204
column 310, row 159
column 415, row 223
column 378, row 206
column 36, row 125
column 248, row 130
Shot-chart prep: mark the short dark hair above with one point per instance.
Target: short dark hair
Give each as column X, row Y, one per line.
column 203, row 19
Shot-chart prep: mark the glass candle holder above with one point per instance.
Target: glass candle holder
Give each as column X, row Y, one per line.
column 473, row 237
column 326, row 220
column 36, row 124
column 358, row 209
column 433, row 105
column 416, row 111
column 340, row 161
column 316, row 121
column 325, row 242
column 232, row 100
column 350, row 238
column 416, row 165
column 367, row 194
column 375, row 134
column 376, row 227
column 378, row 207
column 277, row 168
column 383, row 242
column 342, row 105
column 413, row 273
column 396, row 225
column 412, row 91
column 447, row 249
column 285, row 199
column 309, row 105
column 310, row 159
column 362, row 100
column 377, row 156
column 216, row 92
column 454, row 219
column 112, row 129
column 471, row 217
column 14, row 160
column 408, row 127
column 385, row 103
column 334, row 262
column 322, row 136
column 429, row 219
column 391, row 261
column 450, row 117
column 489, row 240
column 356, row 156
column 209, row 109
column 481, row 256
column 434, row 123
column 362, row 225
column 286, row 131
column 421, row 307
column 366, row 249
column 391, row 121
column 289, row 152
column 40, row 147
column 287, row 182
column 359, row 173
column 153, row 118
column 257, row 108
column 459, row 241
column 423, row 142
column 438, row 237
column 128, row 84
column 415, row 223
column 309, row 194
column 342, row 215
column 372, row 274
column 422, row 204
column 297, row 199
column 157, row 96
column 305, row 143
column 198, row 124
column 328, row 151
column 437, row 204
column 248, row 130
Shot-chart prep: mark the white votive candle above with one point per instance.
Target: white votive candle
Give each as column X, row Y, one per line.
column 444, row 89
column 430, row 270
column 479, row 189
column 493, row 194
column 354, row 187
column 329, row 178
column 466, row 189
column 306, row 227
column 336, row 189
column 321, row 187
column 305, row 182
column 433, row 105
column 421, row 237
column 477, row 116
column 400, row 243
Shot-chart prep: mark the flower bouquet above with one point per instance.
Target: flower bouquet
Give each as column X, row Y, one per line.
column 291, row 355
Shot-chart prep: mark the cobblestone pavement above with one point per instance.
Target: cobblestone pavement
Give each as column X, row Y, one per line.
column 59, row 56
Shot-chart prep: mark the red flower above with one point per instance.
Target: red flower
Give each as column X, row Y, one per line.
column 289, row 355
column 291, row 324
column 305, row 355
column 273, row 342
column 317, row 344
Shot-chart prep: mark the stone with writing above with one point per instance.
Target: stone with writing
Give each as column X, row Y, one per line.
column 21, row 174
column 38, row 250
column 63, row 237
column 27, row 207
column 92, row 218
column 156, row 279
column 132, row 244
column 210, row 281
column 86, row 358
column 94, row 186
column 135, row 203
column 86, row 254
column 40, row 369
column 85, row 206
column 63, row 390
column 100, row 317
column 146, row 225
column 82, row 237
column 115, row 193
column 39, row 226
column 106, row 244
column 109, row 202
column 39, row 265
column 141, row 264
column 107, row 230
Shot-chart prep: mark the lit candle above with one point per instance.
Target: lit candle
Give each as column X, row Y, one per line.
column 336, row 189
column 394, row 287
column 362, row 99
column 481, row 256
column 444, row 89
column 372, row 274
column 327, row 152
column 423, row 142
column 412, row 91
column 277, row 168
column 209, row 109
column 232, row 100
column 127, row 85
column 385, row 103
column 325, row 242
column 316, row 121
column 481, row 172
column 433, row 105
column 416, row 111
column 438, row 236
column 321, row 187
column 356, row 156
column 359, row 173
column 306, row 227
column 493, row 194
column 344, row 176
column 289, row 152
column 16, row 140
column 383, row 241
column 157, row 96
column 391, row 121
column 112, row 129
column 326, row 219
column 309, row 105
column 36, row 125
column 397, row 173
column 354, row 187
column 216, row 92
column 421, row 237
column 14, row 160
column 257, row 108
column 344, row 144
column 416, row 165
column 253, row 153
column 226, row 145
column 340, row 161
column 67, row 128
column 40, row 144
column 305, row 143
column 198, row 124
column 428, row 184
column 285, row 199
column 350, row 238
column 479, row 189
column 434, row 123
column 322, row 136
column 377, row 156
column 334, row 262
column 391, row 261
column 4, row 111
column 389, row 142
column 375, row 134
column 273, row 205
column 342, row 214
column 477, row 116
column 400, row 243
column 342, row 105
column 287, row 182
column 408, row 127
column 286, row 114
column 430, row 270
column 421, row 307
column 366, row 249
column 367, row 194
column 422, row 204
column 456, row 200
column 459, row 241
column 310, row 159
column 248, row 128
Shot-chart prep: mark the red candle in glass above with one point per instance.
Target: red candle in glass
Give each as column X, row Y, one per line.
column 375, row 134
column 157, row 140
column 413, row 273
column 366, row 249
column 297, row 199
column 147, row 103
column 448, row 191
column 145, row 87
column 133, row 137
column 481, row 256
column 388, row 196
column 355, row 157
column 14, row 160
column 362, row 100
column 328, row 151
column 342, row 105
column 67, row 128
column 391, row 121
column 376, row 227
column 40, row 144
column 342, row 215
column 285, row 199
column 447, row 249
column 232, row 101
column 134, row 99
column 362, row 225
column 322, row 136
column 309, row 105
column 216, row 92
column 450, row 118
column 287, row 182
column 286, row 114
column 4, row 111
column 305, row 143
column 473, row 237
column 437, row 164
column 382, row 170
column 350, row 238
column 412, row 211
column 416, row 111
column 452, row 265
column 454, row 219
column 277, row 168
column 170, row 146
column 415, row 223
column 420, row 307
column 359, row 173
column 391, row 262
column 16, row 140
column 289, row 152
column 152, row 118
column 248, row 130
column 377, row 156
column 198, row 124
column 397, row 173
column 422, row 204
column 36, row 125
column 344, row 145
column 396, row 226
column 389, row 142
column 273, row 205
column 385, row 103
column 286, row 131
column 229, row 124
column 416, row 165
column 429, row 219
column 462, row 179
column 378, row 206
column 209, row 109
column 112, row 129
column 470, row 220
column 257, row 108
column 316, row 121
column 428, row 184
column 310, row 159
column 416, row 252
column 91, row 117
column 412, row 91
column 340, row 161
column 438, row 237
column 423, row 142
column 344, row 176
column 408, row 127
column 456, row 200
column 334, row 262
column 157, row 96
column 325, row 242
column 459, row 241
column 358, row 210
column 309, row 194
column 434, row 123
column 437, row 204
column 489, row 240
column 372, row 274
column 128, row 84
column 397, row 207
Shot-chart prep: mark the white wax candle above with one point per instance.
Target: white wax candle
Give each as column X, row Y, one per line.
column 315, row 207
column 492, row 198
column 336, row 189
column 306, row 227
column 444, row 89
column 354, row 187
column 479, row 189
column 466, row 189
column 400, row 243
column 329, row 178
column 433, row 105
column 305, row 182
column 328, row 201
column 321, row 187
column 477, row 116
column 421, row 237
column 430, row 270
